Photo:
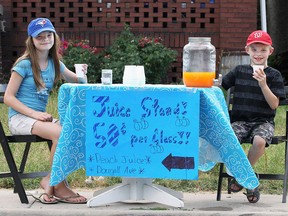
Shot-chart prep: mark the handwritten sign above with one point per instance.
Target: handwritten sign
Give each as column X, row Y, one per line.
column 142, row 133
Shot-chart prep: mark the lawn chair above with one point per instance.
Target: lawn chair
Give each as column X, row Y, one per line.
column 15, row 173
column 275, row 141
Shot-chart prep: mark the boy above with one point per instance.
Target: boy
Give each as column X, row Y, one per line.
column 256, row 97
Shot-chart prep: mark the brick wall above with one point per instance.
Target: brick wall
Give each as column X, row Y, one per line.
column 227, row 22
column 238, row 19
column 6, row 46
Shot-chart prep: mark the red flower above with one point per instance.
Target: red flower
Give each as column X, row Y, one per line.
column 82, row 44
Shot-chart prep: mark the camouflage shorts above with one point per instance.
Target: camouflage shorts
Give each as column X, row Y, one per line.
column 247, row 130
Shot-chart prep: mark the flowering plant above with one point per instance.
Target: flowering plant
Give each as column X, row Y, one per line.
column 129, row 49
column 79, row 52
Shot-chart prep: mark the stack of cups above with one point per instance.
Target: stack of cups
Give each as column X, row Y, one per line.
column 141, row 79
column 134, row 75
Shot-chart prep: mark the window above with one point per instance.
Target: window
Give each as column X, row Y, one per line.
column 118, row 20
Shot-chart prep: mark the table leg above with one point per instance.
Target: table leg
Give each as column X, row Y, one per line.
column 136, row 189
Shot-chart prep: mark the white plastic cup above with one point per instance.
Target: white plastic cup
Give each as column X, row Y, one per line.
column 141, row 75
column 130, row 75
column 80, row 72
column 107, row 77
column 257, row 67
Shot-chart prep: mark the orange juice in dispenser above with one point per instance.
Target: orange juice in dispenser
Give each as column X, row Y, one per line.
column 199, row 62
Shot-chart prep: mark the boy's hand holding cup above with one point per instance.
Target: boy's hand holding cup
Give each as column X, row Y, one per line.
column 259, row 74
column 257, row 67
column 81, row 71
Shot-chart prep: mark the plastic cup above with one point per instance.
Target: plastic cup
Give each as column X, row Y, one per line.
column 107, row 77
column 130, row 75
column 141, row 75
column 80, row 72
column 257, row 67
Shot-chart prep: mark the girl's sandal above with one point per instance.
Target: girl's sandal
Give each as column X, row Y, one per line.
column 253, row 196
column 234, row 186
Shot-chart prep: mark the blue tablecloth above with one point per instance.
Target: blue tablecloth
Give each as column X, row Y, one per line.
column 218, row 142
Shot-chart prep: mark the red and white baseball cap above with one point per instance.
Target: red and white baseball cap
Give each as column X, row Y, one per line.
column 259, row 36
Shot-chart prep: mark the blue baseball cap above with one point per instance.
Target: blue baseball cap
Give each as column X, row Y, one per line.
column 39, row 25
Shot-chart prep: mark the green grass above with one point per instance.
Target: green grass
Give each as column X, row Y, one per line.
column 271, row 162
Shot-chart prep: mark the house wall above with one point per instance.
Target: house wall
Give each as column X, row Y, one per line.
column 227, row 22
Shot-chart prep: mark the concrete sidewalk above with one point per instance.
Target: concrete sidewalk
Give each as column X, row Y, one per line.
column 194, row 204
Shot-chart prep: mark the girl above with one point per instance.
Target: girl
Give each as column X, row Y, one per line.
column 32, row 78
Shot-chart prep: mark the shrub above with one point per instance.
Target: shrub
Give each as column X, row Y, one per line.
column 128, row 49
column 74, row 52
